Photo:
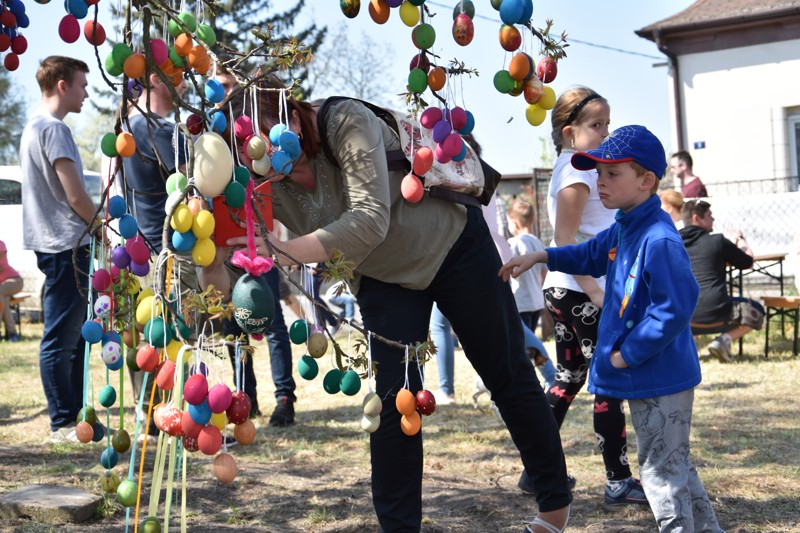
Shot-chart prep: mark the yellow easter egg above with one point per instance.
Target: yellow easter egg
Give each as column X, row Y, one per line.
column 133, row 285
column 182, row 219
column 256, row 147
column 145, row 310
column 535, row 114
column 548, row 99
column 173, row 348
column 220, row 420
column 204, row 252
column 409, row 14
column 317, row 344
column 203, row 224
column 213, row 164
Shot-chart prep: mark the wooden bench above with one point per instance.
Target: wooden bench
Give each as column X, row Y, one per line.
column 784, row 307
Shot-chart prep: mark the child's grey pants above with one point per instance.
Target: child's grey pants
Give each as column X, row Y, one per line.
column 673, row 488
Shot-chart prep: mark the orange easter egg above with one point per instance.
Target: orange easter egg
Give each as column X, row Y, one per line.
column 224, row 468
column 134, row 66
column 437, row 78
column 411, row 424
column 84, row 431
column 183, row 44
column 126, row 145
column 245, row 433
column 520, row 66
column 405, row 402
column 379, row 11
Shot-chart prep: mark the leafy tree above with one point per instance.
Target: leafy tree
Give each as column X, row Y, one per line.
column 334, row 71
column 12, row 118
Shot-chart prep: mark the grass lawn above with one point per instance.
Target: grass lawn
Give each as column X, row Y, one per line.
column 314, row 476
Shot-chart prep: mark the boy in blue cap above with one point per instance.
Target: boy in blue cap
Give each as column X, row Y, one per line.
column 645, row 353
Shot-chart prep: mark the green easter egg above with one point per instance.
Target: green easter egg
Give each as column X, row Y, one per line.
column 107, row 396
column 176, row 182
column 108, row 144
column 416, row 2
column 157, row 333
column 126, row 493
column 417, row 81
column 503, row 81
column 130, row 360
column 121, row 441
column 151, row 524
column 188, row 20
column 174, row 28
column 464, row 7
column 350, row 383
column 242, row 175
column 331, row 381
column 119, row 53
column 176, row 59
column 307, row 367
column 206, row 34
column 185, row 331
column 254, row 302
column 112, row 68
column 235, row 195
column 87, row 414
column 496, row 4
column 423, row 36
column 298, row 331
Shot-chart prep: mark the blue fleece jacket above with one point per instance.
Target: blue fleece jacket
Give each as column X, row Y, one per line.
column 650, row 297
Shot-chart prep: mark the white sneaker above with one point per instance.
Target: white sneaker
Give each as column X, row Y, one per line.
column 443, row 398
column 65, row 435
column 721, row 349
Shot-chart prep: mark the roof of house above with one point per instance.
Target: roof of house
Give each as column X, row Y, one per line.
column 710, row 13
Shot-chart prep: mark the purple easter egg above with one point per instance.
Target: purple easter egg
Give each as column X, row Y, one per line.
column 441, row 130
column 120, row 257
column 140, row 269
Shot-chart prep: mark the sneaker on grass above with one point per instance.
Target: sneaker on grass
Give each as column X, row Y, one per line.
column 721, row 348
column 283, row 415
column 619, row 494
column 64, row 435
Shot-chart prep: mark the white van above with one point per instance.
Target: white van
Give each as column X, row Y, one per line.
column 24, row 261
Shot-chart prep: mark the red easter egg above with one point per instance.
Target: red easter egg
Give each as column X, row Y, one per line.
column 19, row 44
column 209, row 441
column 239, row 409
column 463, row 29
column 158, row 415
column 5, row 42
column 84, row 431
column 11, row 62
column 547, row 69
column 94, row 32
column 194, row 123
column 426, row 403
column 195, row 389
column 423, row 161
column 190, row 443
column 219, row 398
column 411, row 188
column 69, row 29
column 190, row 428
column 171, row 421
column 243, row 127
column 7, row 18
column 458, row 117
column 420, row 61
column 147, row 358
column 165, row 374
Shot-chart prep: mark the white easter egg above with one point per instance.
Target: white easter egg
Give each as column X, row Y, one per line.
column 213, row 164
column 102, row 306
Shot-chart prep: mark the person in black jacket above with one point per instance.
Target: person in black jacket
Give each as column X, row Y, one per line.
column 710, row 255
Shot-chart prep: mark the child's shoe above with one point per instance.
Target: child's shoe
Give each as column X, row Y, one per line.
column 14, row 337
column 628, row 492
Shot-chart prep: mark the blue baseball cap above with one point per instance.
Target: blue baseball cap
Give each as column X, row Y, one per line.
column 623, row 145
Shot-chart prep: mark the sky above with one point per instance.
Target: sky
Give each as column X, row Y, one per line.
column 636, row 84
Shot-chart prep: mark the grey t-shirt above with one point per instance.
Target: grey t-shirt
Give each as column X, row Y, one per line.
column 49, row 224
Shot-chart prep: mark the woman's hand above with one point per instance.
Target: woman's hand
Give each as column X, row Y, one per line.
column 617, row 361
column 241, row 242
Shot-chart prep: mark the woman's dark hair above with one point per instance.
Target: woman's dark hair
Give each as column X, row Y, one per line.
column 268, row 103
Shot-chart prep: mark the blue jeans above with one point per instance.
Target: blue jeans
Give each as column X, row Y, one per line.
column 445, row 348
column 547, row 370
column 61, row 354
column 467, row 281
column 347, row 302
column 280, row 350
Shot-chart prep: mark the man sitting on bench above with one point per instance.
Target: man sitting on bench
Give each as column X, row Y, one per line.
column 710, row 254
column 10, row 284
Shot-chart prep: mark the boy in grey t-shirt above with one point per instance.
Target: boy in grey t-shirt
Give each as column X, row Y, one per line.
column 55, row 210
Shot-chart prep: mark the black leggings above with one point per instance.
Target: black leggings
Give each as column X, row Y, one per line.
column 575, row 328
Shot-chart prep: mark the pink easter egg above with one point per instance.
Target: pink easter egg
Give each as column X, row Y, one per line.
column 137, row 249
column 430, row 117
column 452, row 145
column 423, row 161
column 458, row 117
column 411, row 188
column 159, row 50
column 69, row 29
column 243, row 127
column 440, row 155
column 219, row 398
column 101, row 280
column 115, row 273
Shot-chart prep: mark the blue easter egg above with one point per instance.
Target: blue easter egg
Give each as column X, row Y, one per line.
column 218, row 121
column 469, row 126
column 99, row 432
column 77, row 8
column 109, row 458
column 511, row 11
column 107, row 396
column 23, row 21
column 16, row 7
column 128, row 227
column 275, row 134
column 92, row 332
column 201, row 413
column 290, row 144
column 183, row 242
column 462, row 154
column 111, row 336
column 116, row 365
column 215, row 92
column 282, row 162
column 527, row 12
column 117, row 206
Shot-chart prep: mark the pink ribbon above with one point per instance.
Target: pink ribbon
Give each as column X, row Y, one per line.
column 252, row 263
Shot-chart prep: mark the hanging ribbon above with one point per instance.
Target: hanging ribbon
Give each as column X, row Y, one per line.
column 252, row 263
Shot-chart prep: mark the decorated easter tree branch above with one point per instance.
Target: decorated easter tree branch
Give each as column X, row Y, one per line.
column 551, row 46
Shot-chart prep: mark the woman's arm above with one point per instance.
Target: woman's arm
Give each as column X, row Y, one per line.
column 570, row 202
